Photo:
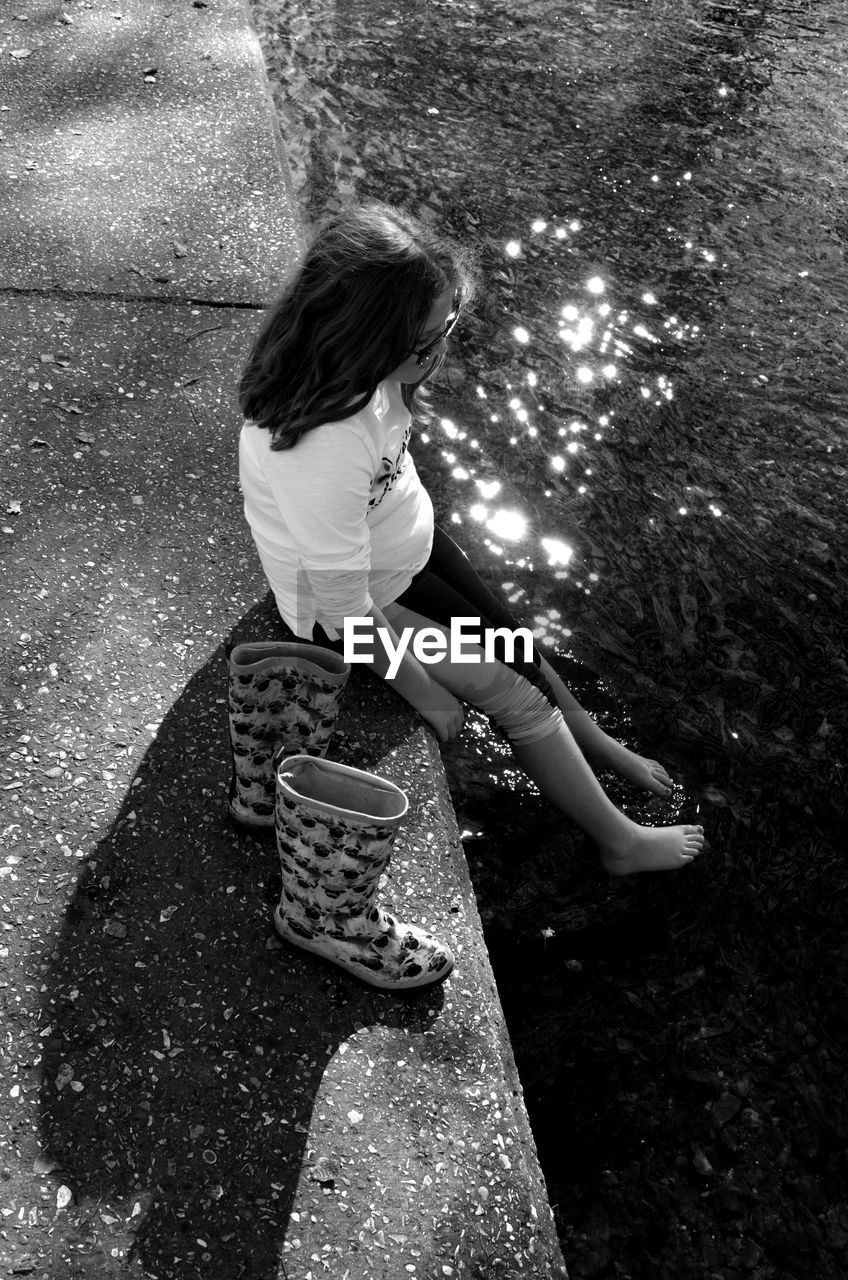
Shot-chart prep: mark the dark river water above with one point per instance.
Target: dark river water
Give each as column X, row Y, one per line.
column 640, row 439
column 640, row 435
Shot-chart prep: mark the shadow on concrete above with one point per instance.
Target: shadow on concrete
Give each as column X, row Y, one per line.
column 186, row 1045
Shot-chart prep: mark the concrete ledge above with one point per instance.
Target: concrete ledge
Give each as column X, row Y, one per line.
column 187, row 1097
column 138, row 923
column 421, row 1125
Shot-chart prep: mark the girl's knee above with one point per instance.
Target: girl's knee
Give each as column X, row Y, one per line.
column 518, row 708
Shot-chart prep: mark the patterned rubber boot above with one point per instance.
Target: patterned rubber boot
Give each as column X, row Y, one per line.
column 281, row 697
column 335, row 829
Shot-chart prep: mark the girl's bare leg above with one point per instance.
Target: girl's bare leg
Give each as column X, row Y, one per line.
column 558, row 767
column 563, row 776
column 606, row 752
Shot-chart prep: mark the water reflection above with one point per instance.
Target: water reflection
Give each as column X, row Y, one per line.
column 559, row 553
column 657, row 201
column 615, row 357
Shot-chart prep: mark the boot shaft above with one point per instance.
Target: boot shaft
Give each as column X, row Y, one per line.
column 281, row 697
column 335, row 828
column 286, row 694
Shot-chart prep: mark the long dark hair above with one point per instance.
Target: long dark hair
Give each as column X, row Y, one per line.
column 352, row 313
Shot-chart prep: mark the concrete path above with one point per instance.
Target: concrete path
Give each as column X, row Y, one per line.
column 139, row 153
column 182, row 1096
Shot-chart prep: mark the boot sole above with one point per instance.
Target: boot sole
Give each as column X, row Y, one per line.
column 365, row 976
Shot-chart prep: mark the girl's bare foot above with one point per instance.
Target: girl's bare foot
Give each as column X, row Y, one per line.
column 637, row 769
column 652, row 849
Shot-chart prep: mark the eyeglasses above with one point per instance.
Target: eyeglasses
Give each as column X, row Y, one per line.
column 422, row 355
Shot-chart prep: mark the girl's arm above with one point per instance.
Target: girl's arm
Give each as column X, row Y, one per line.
column 434, row 703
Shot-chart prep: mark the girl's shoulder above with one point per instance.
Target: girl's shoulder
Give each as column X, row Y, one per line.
column 384, row 416
column 388, row 408
column 378, row 422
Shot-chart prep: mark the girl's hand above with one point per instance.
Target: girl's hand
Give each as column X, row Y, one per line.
column 443, row 712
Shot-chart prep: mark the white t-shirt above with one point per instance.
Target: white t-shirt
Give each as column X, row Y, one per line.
column 341, row 520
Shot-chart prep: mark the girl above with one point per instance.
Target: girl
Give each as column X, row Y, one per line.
column 344, row 528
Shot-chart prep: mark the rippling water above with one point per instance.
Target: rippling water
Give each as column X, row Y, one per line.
column 659, row 363
column 640, row 434
column 640, row 438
